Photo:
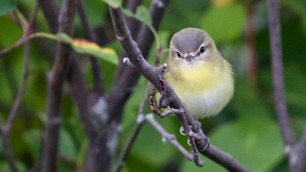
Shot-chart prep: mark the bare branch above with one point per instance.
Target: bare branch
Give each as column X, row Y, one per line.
column 75, row 79
column 251, row 42
column 25, row 73
column 296, row 152
column 298, row 155
column 169, row 137
column 80, row 96
column 134, row 24
column 277, row 66
column 224, row 159
column 140, row 122
column 7, row 151
column 50, row 12
column 56, row 80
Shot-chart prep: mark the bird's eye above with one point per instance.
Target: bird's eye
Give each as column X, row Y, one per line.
column 178, row 54
column 202, row 49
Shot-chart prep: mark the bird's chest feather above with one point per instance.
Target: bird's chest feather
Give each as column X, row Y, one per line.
column 204, row 88
column 194, row 78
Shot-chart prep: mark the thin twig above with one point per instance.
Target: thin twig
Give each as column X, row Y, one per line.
column 300, row 155
column 277, row 67
column 251, row 42
column 170, row 137
column 13, row 113
column 7, row 151
column 140, row 122
column 25, row 73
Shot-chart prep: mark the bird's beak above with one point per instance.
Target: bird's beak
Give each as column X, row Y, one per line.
column 189, row 57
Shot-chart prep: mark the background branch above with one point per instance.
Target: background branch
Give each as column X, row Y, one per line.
column 55, row 84
column 97, row 78
column 75, row 78
column 295, row 151
column 277, row 67
column 126, row 150
column 7, row 151
column 7, row 127
column 25, row 73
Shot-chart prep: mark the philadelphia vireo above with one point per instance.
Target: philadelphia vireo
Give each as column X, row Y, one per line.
column 198, row 73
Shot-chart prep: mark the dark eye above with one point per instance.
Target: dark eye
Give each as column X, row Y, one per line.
column 202, row 49
column 178, row 54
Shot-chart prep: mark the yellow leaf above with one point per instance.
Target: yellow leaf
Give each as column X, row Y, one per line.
column 91, row 48
column 220, row 3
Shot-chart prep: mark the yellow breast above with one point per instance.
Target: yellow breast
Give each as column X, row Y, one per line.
column 205, row 87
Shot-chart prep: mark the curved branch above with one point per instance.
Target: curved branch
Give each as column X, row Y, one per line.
column 124, row 82
column 152, row 74
column 277, row 65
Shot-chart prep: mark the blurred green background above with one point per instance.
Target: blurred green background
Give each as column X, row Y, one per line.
column 247, row 128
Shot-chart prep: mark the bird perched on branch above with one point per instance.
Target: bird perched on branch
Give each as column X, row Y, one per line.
column 198, row 73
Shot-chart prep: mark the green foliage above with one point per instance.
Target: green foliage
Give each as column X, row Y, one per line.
column 5, row 166
column 97, row 12
column 86, row 47
column 247, row 128
column 255, row 142
column 10, row 31
column 64, row 38
column 113, row 3
column 67, row 148
column 228, row 29
column 7, row 6
column 142, row 14
column 256, row 137
column 32, row 138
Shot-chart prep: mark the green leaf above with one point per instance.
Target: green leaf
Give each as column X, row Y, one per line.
column 19, row 165
column 64, row 38
column 224, row 23
column 91, row 48
column 255, row 142
column 33, row 138
column 67, row 148
column 113, row 3
column 142, row 14
column 10, row 32
column 93, row 10
column 7, row 6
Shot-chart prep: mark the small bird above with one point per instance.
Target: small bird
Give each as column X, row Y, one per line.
column 198, row 73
